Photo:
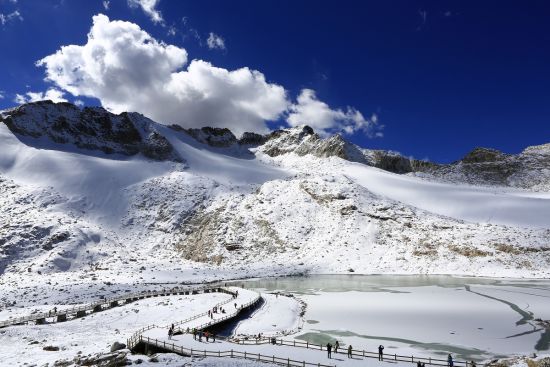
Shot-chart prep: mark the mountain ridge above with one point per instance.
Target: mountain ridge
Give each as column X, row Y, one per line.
column 129, row 133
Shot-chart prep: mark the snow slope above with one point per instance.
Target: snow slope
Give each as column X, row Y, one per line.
column 474, row 204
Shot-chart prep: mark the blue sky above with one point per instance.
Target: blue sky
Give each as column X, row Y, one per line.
column 430, row 79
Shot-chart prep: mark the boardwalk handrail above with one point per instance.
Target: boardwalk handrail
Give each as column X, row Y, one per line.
column 105, row 301
column 228, row 353
column 134, row 339
column 358, row 353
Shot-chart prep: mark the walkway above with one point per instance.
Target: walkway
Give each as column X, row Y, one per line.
column 288, row 352
column 105, row 303
column 282, row 354
column 240, row 299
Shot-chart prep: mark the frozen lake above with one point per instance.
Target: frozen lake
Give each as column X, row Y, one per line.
column 473, row 318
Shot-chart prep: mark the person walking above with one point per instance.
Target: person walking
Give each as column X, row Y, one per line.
column 170, row 331
column 350, row 349
column 380, row 352
column 450, row 362
column 200, row 335
column 213, row 337
column 206, row 335
column 329, row 350
column 336, row 346
column 194, row 333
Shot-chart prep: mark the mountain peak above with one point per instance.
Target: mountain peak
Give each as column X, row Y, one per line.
column 90, row 128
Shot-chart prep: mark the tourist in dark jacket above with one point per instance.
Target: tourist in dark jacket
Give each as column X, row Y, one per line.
column 350, row 349
column 380, row 352
column 329, row 350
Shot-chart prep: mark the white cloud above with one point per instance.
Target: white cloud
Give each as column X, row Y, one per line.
column 52, row 94
column 79, row 102
column 106, row 4
column 215, row 41
column 5, row 18
column 309, row 110
column 2, row 94
column 127, row 70
column 149, row 8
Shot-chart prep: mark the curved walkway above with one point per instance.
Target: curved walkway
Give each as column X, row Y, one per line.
column 288, row 352
column 240, row 300
column 105, row 303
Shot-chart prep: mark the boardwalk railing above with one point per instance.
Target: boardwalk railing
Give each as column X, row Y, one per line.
column 356, row 353
column 171, row 347
column 222, row 303
column 136, row 337
column 105, row 301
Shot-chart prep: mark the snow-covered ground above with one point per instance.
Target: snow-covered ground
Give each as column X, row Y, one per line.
column 96, row 332
column 279, row 315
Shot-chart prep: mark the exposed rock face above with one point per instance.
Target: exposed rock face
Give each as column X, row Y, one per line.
column 92, row 128
column 213, row 136
column 530, row 169
column 252, row 139
column 482, row 155
column 303, row 140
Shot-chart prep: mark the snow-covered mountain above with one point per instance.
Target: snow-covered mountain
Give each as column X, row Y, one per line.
column 85, row 194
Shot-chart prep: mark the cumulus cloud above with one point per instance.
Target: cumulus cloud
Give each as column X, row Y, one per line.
column 309, row 110
column 128, row 70
column 215, row 41
column 149, row 7
column 52, row 94
column 6, row 18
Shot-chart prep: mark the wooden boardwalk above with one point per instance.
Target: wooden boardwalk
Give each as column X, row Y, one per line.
column 294, row 353
column 103, row 304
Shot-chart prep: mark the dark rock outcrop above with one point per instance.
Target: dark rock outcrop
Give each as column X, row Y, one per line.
column 92, row 128
column 213, row 136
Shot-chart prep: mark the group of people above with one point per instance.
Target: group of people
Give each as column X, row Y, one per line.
column 330, row 347
column 207, row 335
column 215, row 310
